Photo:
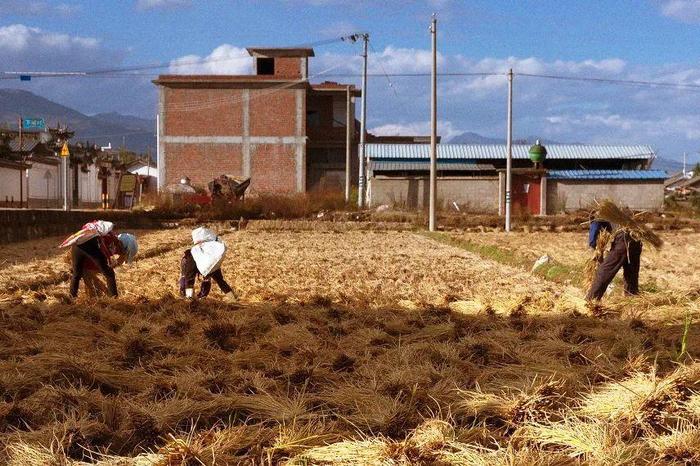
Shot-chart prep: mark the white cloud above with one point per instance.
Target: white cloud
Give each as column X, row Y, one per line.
column 576, row 111
column 420, row 128
column 155, row 4
column 225, row 59
column 20, row 43
column 24, row 48
column 37, row 8
column 605, row 126
column 687, row 11
column 564, row 110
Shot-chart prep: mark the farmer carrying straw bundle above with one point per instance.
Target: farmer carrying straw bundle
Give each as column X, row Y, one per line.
column 95, row 248
column 625, row 253
column 204, row 259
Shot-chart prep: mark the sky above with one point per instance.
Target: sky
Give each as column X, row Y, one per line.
column 641, row 40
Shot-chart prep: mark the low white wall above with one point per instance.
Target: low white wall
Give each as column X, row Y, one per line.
column 10, row 185
column 475, row 194
column 44, row 181
column 567, row 195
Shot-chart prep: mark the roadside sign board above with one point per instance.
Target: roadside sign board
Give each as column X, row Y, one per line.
column 64, row 150
column 127, row 184
column 33, row 123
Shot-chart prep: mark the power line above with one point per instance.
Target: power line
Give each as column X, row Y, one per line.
column 381, row 65
column 613, row 81
column 153, row 66
column 409, row 75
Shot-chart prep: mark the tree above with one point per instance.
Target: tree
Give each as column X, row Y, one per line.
column 696, row 169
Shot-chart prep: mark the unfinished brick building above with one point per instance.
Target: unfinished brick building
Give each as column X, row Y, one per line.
column 273, row 126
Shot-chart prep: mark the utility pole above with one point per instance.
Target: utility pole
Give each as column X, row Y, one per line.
column 159, row 161
column 363, row 120
column 19, row 127
column 348, row 142
column 684, row 161
column 65, row 155
column 21, row 194
column 433, row 128
column 66, row 205
column 509, row 149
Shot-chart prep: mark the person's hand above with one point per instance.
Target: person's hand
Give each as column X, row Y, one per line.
column 115, row 261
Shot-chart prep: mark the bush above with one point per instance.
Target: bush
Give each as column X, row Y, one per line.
column 276, row 206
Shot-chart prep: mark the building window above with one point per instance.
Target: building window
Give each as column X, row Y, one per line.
column 339, row 112
column 313, row 119
column 266, row 66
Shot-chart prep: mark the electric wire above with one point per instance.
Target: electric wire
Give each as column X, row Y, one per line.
column 153, row 66
column 381, row 65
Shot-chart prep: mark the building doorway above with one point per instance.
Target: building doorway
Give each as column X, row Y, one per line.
column 526, row 192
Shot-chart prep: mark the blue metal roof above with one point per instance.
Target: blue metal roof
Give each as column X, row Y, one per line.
column 408, row 152
column 424, row 165
column 607, row 175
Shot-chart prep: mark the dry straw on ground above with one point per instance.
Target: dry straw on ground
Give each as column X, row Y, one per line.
column 349, row 347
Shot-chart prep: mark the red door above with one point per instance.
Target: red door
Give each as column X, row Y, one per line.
column 526, row 194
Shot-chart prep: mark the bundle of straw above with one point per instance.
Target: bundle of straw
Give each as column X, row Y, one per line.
column 627, row 221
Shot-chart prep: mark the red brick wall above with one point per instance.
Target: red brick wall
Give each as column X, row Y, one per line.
column 288, row 67
column 273, row 168
column 202, row 162
column 273, row 112
column 219, row 112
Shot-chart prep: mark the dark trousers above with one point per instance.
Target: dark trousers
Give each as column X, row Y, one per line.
column 624, row 254
column 90, row 251
column 189, row 272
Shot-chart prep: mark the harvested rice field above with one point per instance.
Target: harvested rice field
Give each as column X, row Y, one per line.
column 674, row 267
column 350, row 345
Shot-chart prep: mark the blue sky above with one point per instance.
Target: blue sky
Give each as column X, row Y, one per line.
column 622, row 39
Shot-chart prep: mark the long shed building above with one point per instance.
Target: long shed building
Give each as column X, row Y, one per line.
column 472, row 177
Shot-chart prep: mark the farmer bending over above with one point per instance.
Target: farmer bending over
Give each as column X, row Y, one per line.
column 204, row 259
column 625, row 254
column 94, row 247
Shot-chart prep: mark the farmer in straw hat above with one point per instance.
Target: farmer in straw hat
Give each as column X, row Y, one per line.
column 625, row 253
column 96, row 248
column 204, row 259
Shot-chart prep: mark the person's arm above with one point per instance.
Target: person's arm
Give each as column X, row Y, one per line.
column 593, row 232
column 111, row 246
column 188, row 272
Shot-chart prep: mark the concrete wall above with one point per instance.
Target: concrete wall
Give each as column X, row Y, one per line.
column 260, row 133
column 475, row 194
column 574, row 194
column 10, row 186
column 23, row 224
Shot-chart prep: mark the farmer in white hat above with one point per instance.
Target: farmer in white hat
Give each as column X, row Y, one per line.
column 96, row 248
column 204, row 259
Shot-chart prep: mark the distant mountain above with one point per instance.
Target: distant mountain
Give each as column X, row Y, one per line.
column 671, row 166
column 474, row 138
column 137, row 134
